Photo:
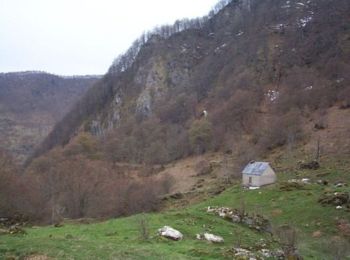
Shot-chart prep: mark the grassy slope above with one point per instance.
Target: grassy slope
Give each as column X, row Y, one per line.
column 119, row 238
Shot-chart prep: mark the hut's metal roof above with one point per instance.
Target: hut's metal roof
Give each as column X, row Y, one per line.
column 255, row 168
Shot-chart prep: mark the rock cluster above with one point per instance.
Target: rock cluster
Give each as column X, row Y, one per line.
column 303, row 180
column 335, row 199
column 256, row 222
column 15, row 229
column 16, row 219
column 313, row 165
column 13, row 225
column 243, row 253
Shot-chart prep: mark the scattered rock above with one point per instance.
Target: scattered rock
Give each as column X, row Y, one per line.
column 335, row 199
column 278, row 254
column 256, row 222
column 15, row 229
column 322, row 182
column 340, row 184
column 313, row 165
column 265, row 252
column 170, row 233
column 242, row 253
column 16, row 219
column 292, row 185
column 305, row 180
column 213, row 238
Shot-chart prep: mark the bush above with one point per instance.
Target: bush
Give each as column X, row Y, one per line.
column 281, row 130
column 287, row 236
column 143, row 227
column 200, row 135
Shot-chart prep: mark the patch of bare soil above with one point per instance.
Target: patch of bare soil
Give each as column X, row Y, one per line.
column 37, row 257
column 192, row 184
column 185, row 173
column 334, row 135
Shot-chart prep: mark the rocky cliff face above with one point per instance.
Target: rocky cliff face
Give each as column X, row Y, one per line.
column 30, row 104
column 263, row 52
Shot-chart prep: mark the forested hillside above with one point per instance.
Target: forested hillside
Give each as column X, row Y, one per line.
column 260, row 69
column 31, row 103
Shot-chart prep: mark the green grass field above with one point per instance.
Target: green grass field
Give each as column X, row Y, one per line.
column 120, row 238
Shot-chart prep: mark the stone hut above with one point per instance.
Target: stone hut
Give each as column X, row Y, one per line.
column 257, row 174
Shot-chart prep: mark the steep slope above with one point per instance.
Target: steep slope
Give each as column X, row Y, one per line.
column 249, row 65
column 31, row 103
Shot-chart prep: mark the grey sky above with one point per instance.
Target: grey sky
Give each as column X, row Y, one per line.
column 78, row 37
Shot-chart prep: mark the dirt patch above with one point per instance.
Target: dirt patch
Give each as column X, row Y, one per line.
column 37, row 257
column 335, row 139
column 317, row 234
column 185, row 173
column 276, row 212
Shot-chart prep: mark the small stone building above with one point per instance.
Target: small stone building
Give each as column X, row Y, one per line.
column 257, row 174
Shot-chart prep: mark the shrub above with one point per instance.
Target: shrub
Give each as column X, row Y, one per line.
column 143, row 227
column 287, row 236
column 280, row 130
column 200, row 135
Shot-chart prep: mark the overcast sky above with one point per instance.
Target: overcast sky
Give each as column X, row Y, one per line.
column 79, row 37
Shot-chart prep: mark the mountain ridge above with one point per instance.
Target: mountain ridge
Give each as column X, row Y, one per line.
column 31, row 103
column 270, row 52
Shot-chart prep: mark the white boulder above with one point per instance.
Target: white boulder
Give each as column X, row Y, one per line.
column 305, row 180
column 213, row 238
column 170, row 233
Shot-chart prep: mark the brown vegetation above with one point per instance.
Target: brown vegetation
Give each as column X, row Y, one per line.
column 71, row 183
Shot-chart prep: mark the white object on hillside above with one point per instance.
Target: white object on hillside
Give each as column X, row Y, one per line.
column 205, row 113
column 170, row 233
column 210, row 209
column 305, row 180
column 213, row 238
